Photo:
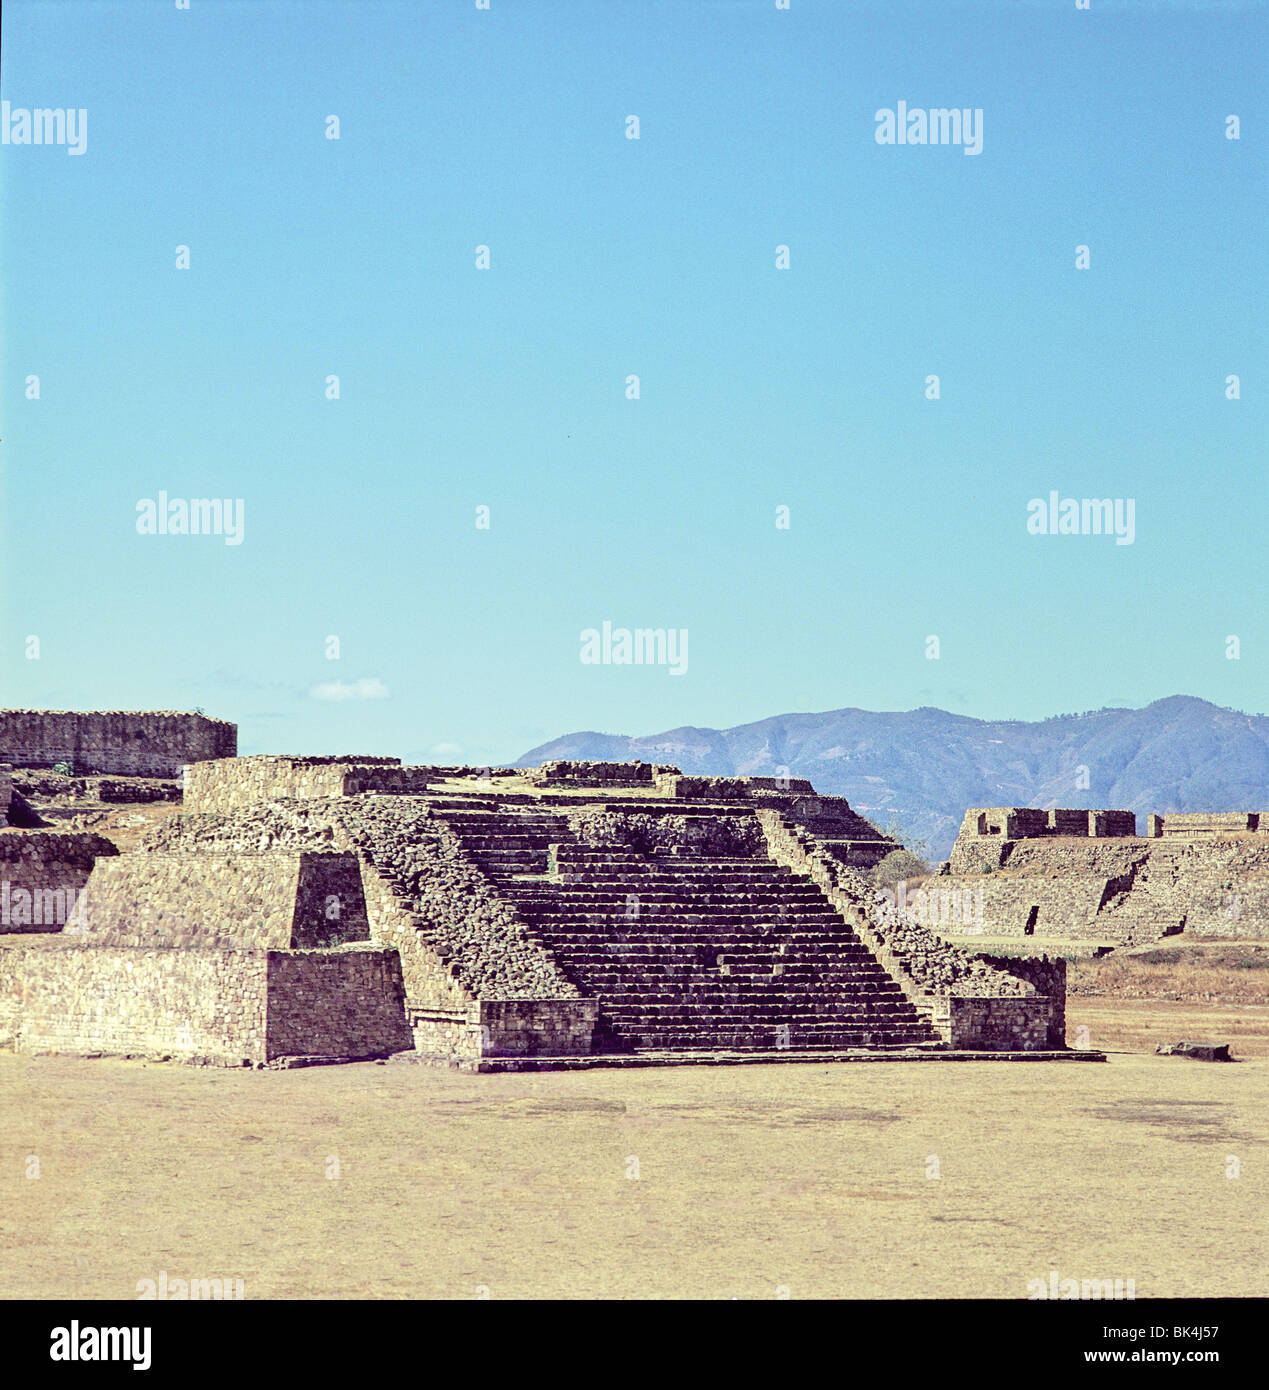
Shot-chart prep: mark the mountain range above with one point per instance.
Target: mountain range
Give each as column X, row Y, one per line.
column 915, row 771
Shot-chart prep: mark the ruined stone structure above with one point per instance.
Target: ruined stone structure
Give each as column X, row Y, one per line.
column 1087, row 875
column 124, row 742
column 348, row 907
column 42, row 877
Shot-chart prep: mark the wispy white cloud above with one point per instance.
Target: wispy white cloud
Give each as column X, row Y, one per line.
column 367, row 688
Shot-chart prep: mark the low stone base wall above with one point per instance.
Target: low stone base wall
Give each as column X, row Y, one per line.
column 575, row 773
column 447, row 1035
column 1048, row 977
column 986, row 1024
column 536, row 1027
column 344, row 1003
column 229, row 784
column 506, row 1028
column 228, row 1008
column 209, row 1006
column 701, row 788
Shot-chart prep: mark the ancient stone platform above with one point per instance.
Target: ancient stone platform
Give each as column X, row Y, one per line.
column 308, row 909
column 1088, row 875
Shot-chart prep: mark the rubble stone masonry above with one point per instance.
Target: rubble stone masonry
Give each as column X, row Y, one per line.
column 42, row 875
column 1206, row 874
column 127, row 743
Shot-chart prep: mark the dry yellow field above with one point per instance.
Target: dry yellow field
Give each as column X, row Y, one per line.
column 1138, row 1025
column 926, row 1180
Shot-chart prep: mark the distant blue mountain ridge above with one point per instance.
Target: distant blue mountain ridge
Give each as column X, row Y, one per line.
column 921, row 768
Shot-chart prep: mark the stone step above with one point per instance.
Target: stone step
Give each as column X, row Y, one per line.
column 537, row 890
column 628, row 882
column 731, row 952
column 761, row 920
column 768, row 1039
column 724, row 951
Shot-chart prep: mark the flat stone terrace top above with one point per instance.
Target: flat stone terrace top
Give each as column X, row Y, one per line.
column 111, row 713
column 315, row 760
column 221, row 784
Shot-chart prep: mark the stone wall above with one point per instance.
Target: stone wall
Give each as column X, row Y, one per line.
column 6, row 791
column 346, row 1003
column 1206, row 823
column 131, row 790
column 226, row 901
column 124, row 742
column 233, row 783
column 676, row 785
column 535, row 1027
column 41, row 784
column 389, row 781
column 506, row 1028
column 998, row 1025
column 779, row 784
column 1064, row 903
column 230, row 1008
column 1048, row 977
column 445, row 1035
column 1129, row 891
column 58, row 995
column 597, row 827
column 42, row 877
column 988, row 834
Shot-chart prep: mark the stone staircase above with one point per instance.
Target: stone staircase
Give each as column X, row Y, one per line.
column 688, row 951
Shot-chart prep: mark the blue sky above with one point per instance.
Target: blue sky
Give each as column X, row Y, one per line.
column 507, row 387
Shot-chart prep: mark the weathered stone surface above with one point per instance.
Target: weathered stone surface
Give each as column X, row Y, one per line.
column 322, row 908
column 226, row 900
column 229, row 1008
column 42, row 876
column 566, row 773
column 152, row 743
column 644, row 833
column 459, row 940
column 1210, row 877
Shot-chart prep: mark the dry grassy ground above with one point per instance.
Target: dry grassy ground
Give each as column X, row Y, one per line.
column 819, row 1179
column 1203, row 990
column 1138, row 1025
column 929, row 1180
